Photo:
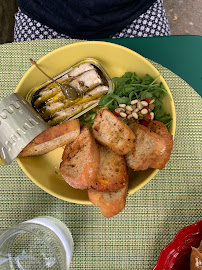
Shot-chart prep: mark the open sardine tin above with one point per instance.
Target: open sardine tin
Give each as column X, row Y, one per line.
column 88, row 76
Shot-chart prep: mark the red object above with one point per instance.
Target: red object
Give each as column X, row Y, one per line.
column 144, row 123
column 147, row 118
column 148, row 99
column 176, row 255
column 145, row 107
column 115, row 113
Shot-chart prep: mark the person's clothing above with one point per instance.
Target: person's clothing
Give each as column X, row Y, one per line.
column 85, row 19
column 151, row 23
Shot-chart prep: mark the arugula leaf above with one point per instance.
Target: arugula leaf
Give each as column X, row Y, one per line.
column 121, row 100
column 163, row 117
column 127, row 75
column 145, row 94
column 133, row 95
column 88, row 118
column 158, row 102
column 147, row 79
column 105, row 99
column 112, row 97
column 135, row 78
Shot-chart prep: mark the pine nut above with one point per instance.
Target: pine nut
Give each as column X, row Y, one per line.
column 136, row 110
column 122, row 114
column 128, row 112
column 134, row 114
column 144, row 111
column 152, row 115
column 134, row 101
column 144, row 103
column 119, row 110
column 152, row 101
column 122, row 105
column 139, row 105
column 129, row 116
column 129, row 108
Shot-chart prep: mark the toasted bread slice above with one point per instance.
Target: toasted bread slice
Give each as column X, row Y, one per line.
column 109, row 130
column 52, row 138
column 160, row 129
column 196, row 258
column 81, row 160
column 111, row 203
column 112, row 174
column 148, row 147
column 200, row 247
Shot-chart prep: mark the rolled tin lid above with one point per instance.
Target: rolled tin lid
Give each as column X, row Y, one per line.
column 19, row 125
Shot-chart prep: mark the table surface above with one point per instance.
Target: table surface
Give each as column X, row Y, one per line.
column 153, row 215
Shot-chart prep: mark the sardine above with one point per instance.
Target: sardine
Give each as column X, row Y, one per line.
column 44, row 95
column 82, row 83
column 75, row 72
column 56, row 105
column 64, row 79
column 49, row 110
column 58, row 97
column 65, row 114
column 80, row 69
column 86, row 81
column 94, row 94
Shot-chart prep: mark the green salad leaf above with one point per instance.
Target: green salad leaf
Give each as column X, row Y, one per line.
column 131, row 86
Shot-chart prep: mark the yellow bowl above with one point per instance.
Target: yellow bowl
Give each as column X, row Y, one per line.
column 117, row 60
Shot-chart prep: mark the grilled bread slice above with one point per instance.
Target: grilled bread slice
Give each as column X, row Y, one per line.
column 81, row 160
column 111, row 203
column 112, row 174
column 160, row 129
column 52, row 138
column 149, row 146
column 109, row 130
column 196, row 258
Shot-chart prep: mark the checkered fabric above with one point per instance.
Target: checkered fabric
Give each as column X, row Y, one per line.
column 152, row 23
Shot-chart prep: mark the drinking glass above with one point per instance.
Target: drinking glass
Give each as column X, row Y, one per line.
column 39, row 243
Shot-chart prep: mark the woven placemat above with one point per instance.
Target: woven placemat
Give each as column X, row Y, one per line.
column 153, row 215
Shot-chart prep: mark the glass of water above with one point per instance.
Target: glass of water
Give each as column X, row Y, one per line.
column 40, row 243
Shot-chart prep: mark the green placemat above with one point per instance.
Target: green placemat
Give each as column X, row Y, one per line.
column 153, row 215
